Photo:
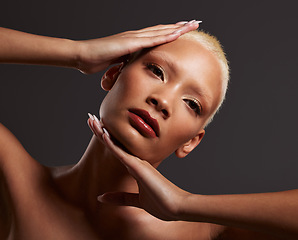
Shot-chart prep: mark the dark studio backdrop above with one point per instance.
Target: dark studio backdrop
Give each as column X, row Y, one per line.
column 252, row 144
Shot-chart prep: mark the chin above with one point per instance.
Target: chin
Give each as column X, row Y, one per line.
column 134, row 143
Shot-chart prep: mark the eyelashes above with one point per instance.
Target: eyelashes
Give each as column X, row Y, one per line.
column 156, row 70
column 193, row 104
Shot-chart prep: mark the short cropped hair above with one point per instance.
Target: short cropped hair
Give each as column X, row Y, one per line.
column 212, row 44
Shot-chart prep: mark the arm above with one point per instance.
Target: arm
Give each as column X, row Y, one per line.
column 88, row 56
column 272, row 213
column 10, row 151
column 25, row 48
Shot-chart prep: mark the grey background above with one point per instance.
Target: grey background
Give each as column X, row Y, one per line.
column 250, row 146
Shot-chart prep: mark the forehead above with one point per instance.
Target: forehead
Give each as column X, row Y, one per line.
column 188, row 61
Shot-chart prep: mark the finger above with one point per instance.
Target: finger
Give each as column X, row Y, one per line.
column 152, row 41
column 168, row 26
column 155, row 39
column 117, row 151
column 182, row 22
column 90, row 122
column 139, row 169
column 185, row 22
column 123, row 59
column 120, row 199
column 95, row 125
column 131, row 162
column 154, row 32
column 164, row 30
column 158, row 27
column 190, row 26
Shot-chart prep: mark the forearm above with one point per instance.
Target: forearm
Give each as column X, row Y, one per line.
column 25, row 48
column 89, row 56
column 267, row 212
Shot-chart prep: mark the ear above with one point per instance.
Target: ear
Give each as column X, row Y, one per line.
column 109, row 78
column 187, row 147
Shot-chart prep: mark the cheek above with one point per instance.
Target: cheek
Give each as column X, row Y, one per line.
column 127, row 88
column 135, row 81
column 130, row 85
column 182, row 130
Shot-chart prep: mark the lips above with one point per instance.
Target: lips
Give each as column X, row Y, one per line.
column 143, row 122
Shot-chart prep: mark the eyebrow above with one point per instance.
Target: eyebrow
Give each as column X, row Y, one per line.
column 172, row 65
column 206, row 98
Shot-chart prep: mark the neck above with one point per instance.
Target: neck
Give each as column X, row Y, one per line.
column 97, row 172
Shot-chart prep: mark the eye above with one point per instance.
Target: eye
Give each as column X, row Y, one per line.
column 194, row 105
column 156, row 70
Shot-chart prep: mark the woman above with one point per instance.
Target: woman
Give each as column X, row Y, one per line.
column 151, row 97
column 60, row 203
column 247, row 216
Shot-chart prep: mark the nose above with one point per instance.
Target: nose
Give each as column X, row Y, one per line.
column 161, row 104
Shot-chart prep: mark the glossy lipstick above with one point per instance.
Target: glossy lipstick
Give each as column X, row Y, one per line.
column 143, row 122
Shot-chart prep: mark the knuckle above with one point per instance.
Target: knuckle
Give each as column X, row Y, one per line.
column 145, row 163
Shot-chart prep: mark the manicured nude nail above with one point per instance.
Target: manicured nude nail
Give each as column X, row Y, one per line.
column 99, row 198
column 176, row 32
column 191, row 22
column 96, row 120
column 106, row 132
column 90, row 116
column 182, row 22
column 198, row 22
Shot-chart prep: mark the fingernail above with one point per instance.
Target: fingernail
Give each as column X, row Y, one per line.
column 88, row 123
column 106, row 132
column 90, row 116
column 191, row 22
column 99, row 198
column 182, row 22
column 198, row 22
column 96, row 120
column 176, row 32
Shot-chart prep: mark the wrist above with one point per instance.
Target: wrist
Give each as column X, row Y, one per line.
column 183, row 210
column 78, row 55
column 191, row 208
column 86, row 59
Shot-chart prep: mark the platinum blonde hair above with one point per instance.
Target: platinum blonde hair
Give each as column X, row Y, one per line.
column 212, row 44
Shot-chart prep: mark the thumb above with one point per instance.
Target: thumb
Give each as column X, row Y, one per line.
column 120, row 199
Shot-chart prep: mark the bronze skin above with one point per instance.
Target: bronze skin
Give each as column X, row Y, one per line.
column 176, row 87
column 171, row 84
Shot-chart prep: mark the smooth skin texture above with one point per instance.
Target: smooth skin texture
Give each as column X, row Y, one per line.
column 169, row 97
column 156, row 194
column 38, row 202
column 88, row 56
column 273, row 213
column 61, row 203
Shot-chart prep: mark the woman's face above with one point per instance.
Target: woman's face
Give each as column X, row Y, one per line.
column 162, row 99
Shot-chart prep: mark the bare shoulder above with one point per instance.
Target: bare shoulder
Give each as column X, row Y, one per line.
column 5, row 210
column 10, row 147
column 18, row 168
column 19, row 173
column 12, row 152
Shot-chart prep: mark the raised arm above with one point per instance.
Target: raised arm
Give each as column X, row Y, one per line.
column 275, row 213
column 272, row 213
column 25, row 48
column 88, row 56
